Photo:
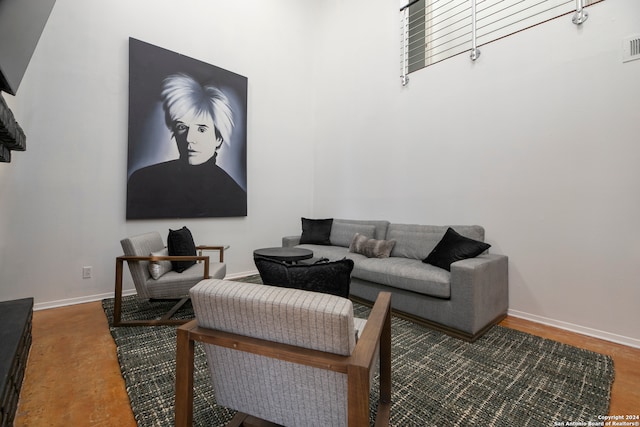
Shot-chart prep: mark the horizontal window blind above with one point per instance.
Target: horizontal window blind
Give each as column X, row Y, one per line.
column 434, row 30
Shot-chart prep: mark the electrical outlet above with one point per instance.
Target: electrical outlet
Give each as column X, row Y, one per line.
column 86, row 272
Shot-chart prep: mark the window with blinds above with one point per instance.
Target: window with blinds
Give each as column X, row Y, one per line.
column 434, row 30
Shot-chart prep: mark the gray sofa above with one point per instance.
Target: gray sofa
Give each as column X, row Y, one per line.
column 464, row 302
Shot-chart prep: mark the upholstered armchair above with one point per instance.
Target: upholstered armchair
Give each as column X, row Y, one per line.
column 285, row 356
column 158, row 276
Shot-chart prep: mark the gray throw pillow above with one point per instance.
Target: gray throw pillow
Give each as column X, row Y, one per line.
column 371, row 248
column 158, row 268
column 342, row 232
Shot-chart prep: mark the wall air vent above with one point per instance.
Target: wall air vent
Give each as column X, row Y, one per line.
column 631, row 48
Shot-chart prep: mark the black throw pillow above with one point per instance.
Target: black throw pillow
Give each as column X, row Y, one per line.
column 316, row 231
column 454, row 247
column 180, row 243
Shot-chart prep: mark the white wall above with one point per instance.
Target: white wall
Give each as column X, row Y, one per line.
column 538, row 141
column 63, row 200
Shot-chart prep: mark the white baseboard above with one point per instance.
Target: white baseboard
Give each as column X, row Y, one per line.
column 100, row 297
column 595, row 333
column 78, row 300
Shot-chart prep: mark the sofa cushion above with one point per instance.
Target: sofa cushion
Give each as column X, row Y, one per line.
column 172, row 283
column 371, row 248
column 331, row 252
column 454, row 247
column 403, row 273
column 380, row 226
column 316, row 231
column 418, row 241
column 342, row 232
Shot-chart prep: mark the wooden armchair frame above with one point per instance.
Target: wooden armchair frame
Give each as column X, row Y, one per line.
column 166, row 319
column 376, row 334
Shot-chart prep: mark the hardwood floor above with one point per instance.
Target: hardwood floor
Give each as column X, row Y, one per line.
column 73, row 377
column 625, row 392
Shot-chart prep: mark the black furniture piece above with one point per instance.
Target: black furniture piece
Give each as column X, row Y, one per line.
column 290, row 255
column 330, row 277
column 15, row 339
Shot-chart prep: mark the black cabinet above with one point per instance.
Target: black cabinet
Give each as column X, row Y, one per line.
column 15, row 341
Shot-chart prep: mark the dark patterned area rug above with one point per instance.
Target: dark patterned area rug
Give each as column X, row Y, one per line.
column 506, row 378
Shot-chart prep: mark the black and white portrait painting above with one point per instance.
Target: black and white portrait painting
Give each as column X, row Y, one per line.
column 187, row 137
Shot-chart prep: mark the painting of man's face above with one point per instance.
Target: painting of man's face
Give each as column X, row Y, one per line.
column 187, row 137
column 196, row 138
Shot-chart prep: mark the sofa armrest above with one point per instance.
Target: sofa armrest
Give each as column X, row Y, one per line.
column 290, row 241
column 481, row 285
